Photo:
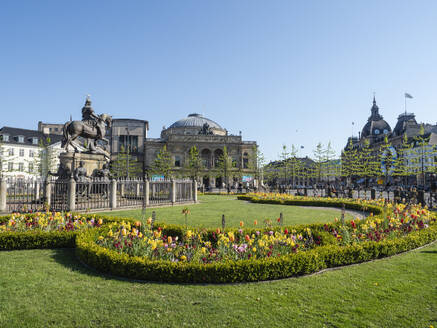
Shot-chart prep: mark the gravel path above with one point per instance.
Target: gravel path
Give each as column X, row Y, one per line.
column 361, row 215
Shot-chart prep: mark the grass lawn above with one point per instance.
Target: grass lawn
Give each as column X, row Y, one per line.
column 49, row 288
column 209, row 213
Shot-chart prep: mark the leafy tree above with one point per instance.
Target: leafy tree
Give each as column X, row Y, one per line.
column 163, row 164
column 401, row 167
column 225, row 165
column 330, row 165
column 194, row 165
column 256, row 162
column 284, row 156
column 125, row 165
column 349, row 162
column 319, row 160
column 46, row 159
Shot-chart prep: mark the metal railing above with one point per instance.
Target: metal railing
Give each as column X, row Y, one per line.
column 94, row 194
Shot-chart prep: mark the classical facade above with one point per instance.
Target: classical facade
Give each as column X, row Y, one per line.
column 210, row 139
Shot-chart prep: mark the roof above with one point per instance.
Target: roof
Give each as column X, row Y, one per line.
column 195, row 120
column 13, row 134
column 405, row 121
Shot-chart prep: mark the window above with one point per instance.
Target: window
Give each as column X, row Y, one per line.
column 128, row 143
column 5, row 137
column 20, row 139
column 21, row 152
column 30, row 167
column 177, row 161
column 35, row 141
column 31, row 153
column 11, row 151
column 376, row 131
column 10, row 166
column 385, row 131
column 21, row 167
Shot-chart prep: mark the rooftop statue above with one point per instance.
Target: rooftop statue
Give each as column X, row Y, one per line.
column 206, row 129
column 92, row 128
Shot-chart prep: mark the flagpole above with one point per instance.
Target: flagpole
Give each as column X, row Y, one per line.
column 405, row 97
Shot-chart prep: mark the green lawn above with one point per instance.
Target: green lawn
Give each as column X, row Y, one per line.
column 49, row 288
column 208, row 213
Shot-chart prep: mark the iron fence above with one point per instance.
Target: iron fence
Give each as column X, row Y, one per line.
column 24, row 195
column 130, row 192
column 160, row 192
column 92, row 194
column 184, row 191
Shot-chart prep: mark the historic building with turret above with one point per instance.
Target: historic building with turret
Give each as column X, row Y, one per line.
column 377, row 132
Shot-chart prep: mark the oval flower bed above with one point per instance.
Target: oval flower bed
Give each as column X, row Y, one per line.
column 173, row 254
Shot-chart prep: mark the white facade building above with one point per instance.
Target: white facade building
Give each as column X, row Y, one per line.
column 21, row 152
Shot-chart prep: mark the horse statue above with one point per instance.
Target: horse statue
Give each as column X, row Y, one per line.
column 74, row 129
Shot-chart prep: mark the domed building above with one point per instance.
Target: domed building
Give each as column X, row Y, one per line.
column 210, row 138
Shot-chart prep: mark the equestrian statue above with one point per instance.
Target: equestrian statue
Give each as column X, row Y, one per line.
column 92, row 128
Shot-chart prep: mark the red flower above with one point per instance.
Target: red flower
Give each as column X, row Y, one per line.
column 286, row 231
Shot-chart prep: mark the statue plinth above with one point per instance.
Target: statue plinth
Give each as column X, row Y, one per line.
column 91, row 162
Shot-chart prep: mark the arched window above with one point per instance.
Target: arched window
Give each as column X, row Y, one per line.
column 218, row 153
column 376, row 131
column 177, row 161
column 245, row 160
column 206, row 158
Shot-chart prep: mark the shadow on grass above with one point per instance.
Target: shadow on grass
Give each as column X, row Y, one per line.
column 67, row 258
column 429, row 252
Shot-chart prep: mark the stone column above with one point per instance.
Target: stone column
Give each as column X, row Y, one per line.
column 48, row 192
column 147, row 192
column 71, row 194
column 137, row 193
column 195, row 191
column 123, row 182
column 113, row 194
column 3, row 195
column 173, row 192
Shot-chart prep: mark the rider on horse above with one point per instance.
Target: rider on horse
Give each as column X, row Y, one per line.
column 91, row 119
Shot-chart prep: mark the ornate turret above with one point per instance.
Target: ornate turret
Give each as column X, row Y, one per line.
column 375, row 124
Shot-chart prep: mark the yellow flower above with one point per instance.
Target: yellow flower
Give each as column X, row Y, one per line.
column 203, row 249
column 137, row 223
column 101, row 238
column 149, row 221
column 110, row 234
column 100, row 221
column 169, row 239
column 183, row 258
column 189, row 234
column 241, row 224
column 254, row 249
column 123, row 232
column 140, row 235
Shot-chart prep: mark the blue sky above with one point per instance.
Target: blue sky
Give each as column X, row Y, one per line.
column 282, row 72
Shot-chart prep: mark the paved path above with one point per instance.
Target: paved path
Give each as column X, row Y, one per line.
column 361, row 215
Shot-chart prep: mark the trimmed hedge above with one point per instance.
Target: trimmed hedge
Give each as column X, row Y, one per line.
column 332, row 202
column 319, row 258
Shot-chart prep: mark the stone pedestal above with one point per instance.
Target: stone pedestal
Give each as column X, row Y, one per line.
column 92, row 161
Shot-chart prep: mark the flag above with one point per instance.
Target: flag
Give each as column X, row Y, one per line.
column 407, row 95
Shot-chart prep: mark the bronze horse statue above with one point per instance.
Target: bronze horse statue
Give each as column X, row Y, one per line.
column 75, row 129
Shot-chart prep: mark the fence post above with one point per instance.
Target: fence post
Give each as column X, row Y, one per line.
column 48, row 192
column 372, row 193
column 137, row 194
column 71, row 194
column 173, row 191
column 122, row 187
column 195, row 191
column 147, row 192
column 3, row 195
column 113, row 194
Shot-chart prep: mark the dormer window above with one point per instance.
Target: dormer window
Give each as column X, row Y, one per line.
column 5, row 137
column 376, row 131
column 20, row 139
column 385, row 131
column 35, row 141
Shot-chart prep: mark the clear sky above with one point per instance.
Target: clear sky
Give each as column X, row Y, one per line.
column 282, row 72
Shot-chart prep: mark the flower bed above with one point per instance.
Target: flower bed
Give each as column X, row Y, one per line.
column 171, row 253
column 45, row 229
column 250, row 255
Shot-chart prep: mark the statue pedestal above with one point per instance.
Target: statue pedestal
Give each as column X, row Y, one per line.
column 92, row 162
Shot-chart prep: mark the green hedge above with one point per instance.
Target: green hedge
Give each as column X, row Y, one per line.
column 332, row 202
column 319, row 258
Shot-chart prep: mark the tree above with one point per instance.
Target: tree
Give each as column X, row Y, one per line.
column 45, row 161
column 319, row 159
column 284, row 156
column 256, row 162
column 125, row 165
column 194, row 165
column 401, row 167
column 163, row 164
column 329, row 165
column 225, row 165
column 349, row 162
